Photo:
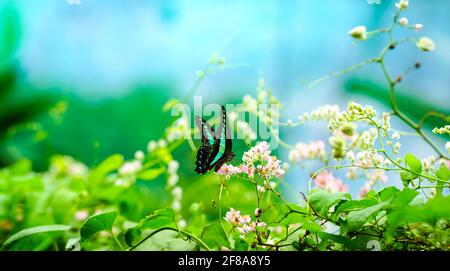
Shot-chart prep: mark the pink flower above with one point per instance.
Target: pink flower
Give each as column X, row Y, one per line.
column 364, row 190
column 327, row 181
column 233, row 217
column 228, row 170
column 81, row 215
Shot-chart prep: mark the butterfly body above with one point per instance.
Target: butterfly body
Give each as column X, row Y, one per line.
column 216, row 148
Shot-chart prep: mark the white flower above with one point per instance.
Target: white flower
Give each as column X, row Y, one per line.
column 182, row 223
column 418, row 27
column 359, row 32
column 139, row 155
column 177, row 192
column 172, row 180
column 402, row 4
column 152, row 145
column 396, row 136
column 426, row 44
column 305, row 151
column 172, row 167
column 261, row 189
column 351, row 157
column 176, row 206
column 162, row 143
column 129, row 168
column 403, row 21
column 447, row 146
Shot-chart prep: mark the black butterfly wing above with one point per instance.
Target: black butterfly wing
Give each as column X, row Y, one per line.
column 216, row 148
column 205, row 151
column 224, row 148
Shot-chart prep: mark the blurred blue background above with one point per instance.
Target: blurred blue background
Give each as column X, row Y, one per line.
column 114, row 64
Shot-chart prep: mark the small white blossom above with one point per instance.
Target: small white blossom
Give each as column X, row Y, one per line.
column 129, row 168
column 418, row 27
column 447, row 146
column 426, row 44
column 172, row 167
column 396, row 136
column 172, row 180
column 139, row 155
column 403, row 21
column 359, row 32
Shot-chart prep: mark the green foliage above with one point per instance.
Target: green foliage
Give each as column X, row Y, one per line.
column 97, row 223
column 214, row 236
column 19, row 236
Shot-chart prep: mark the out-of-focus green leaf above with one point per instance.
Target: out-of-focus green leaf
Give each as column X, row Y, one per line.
column 169, row 104
column 443, row 173
column 150, row 174
column 35, row 230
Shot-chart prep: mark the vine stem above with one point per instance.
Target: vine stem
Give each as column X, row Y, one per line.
column 187, row 234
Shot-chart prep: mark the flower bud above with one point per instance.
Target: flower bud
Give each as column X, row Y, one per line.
column 359, row 32
column 403, row 21
column 348, row 129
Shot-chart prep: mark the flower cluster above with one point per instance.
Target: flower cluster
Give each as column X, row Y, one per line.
column 257, row 159
column 243, row 223
column 354, row 112
column 325, row 112
column 365, row 139
column 326, row 180
column 307, row 151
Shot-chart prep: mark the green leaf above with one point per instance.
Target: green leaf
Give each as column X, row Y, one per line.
column 335, row 238
column 388, row 192
column 407, row 177
column 240, row 245
column 150, row 174
column 214, row 236
column 413, row 163
column 131, row 235
column 97, row 223
column 353, row 205
column 403, row 198
column 356, row 219
column 322, row 200
column 35, row 230
column 443, row 173
column 430, row 213
column 160, row 218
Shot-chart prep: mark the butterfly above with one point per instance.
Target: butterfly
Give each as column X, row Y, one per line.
column 216, row 148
